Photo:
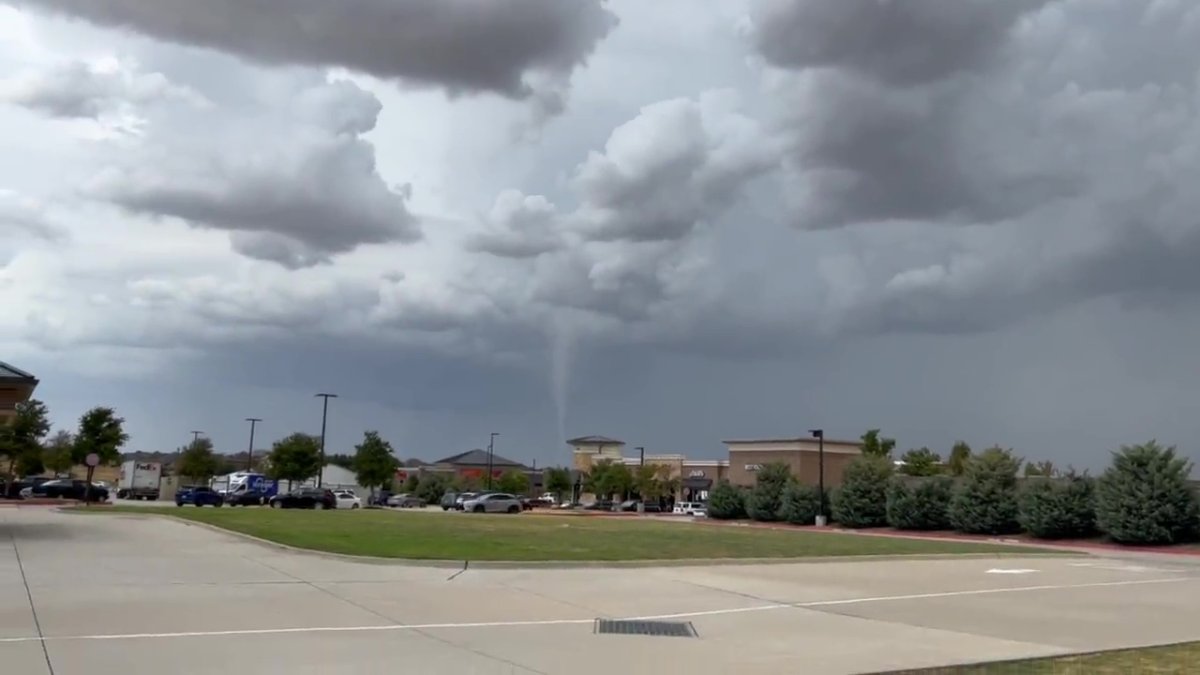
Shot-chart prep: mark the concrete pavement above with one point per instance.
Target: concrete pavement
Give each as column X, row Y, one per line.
column 132, row 595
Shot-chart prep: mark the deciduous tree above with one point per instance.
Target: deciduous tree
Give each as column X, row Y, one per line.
column 198, row 461
column 960, row 454
column 557, row 481
column 100, row 432
column 921, row 462
column 374, row 464
column 295, row 458
column 20, row 438
column 874, row 446
column 514, row 482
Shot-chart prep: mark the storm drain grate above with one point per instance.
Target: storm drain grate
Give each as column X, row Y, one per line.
column 655, row 628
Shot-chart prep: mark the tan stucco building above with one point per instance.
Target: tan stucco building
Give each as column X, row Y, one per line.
column 746, row 457
column 16, row 386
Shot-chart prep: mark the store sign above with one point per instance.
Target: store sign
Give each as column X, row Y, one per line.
column 695, row 473
column 753, row 467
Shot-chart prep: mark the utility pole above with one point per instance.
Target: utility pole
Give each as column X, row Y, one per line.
column 491, row 451
column 819, row 434
column 641, row 455
column 196, row 435
column 324, row 416
column 250, row 449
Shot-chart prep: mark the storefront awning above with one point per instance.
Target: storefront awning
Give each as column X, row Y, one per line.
column 697, row 483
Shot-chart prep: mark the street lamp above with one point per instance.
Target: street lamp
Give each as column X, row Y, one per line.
column 641, row 455
column 324, row 416
column 491, row 450
column 819, row 434
column 250, row 449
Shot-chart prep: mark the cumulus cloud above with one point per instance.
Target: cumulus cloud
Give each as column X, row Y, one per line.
column 296, row 198
column 78, row 89
column 459, row 45
column 518, row 226
column 21, row 215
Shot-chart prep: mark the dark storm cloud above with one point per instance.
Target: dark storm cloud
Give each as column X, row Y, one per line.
column 461, row 45
column 883, row 118
column 901, row 42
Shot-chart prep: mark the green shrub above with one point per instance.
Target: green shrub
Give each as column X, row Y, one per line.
column 801, row 504
column 985, row 499
column 766, row 499
column 861, row 501
column 1058, row 508
column 1145, row 498
column 919, row 503
column 726, row 502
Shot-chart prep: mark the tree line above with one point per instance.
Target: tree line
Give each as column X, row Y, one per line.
column 27, row 448
column 1143, row 497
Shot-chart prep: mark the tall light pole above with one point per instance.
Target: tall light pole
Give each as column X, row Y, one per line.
column 491, row 451
column 250, row 449
column 819, row 434
column 196, row 435
column 324, row 416
column 641, row 455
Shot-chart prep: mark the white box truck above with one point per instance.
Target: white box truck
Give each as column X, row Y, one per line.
column 139, row 480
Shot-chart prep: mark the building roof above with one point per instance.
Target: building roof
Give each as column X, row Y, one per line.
column 479, row 457
column 594, row 440
column 10, row 372
column 805, row 439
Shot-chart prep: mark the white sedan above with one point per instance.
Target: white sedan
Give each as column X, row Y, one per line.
column 347, row 500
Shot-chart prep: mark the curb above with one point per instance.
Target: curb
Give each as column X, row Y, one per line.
column 590, row 564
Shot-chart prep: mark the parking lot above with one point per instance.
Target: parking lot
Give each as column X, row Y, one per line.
column 132, row 594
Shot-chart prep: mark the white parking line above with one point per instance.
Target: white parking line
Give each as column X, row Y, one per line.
column 570, row 622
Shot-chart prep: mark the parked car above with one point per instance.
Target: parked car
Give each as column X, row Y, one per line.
column 449, row 501
column 67, row 488
column 247, row 498
column 13, row 490
column 406, row 501
column 463, row 497
column 632, row 505
column 347, row 500
column 691, row 508
column 494, row 502
column 380, row 498
column 199, row 496
column 305, row 498
column 599, row 505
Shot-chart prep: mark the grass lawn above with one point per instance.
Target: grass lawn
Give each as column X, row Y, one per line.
column 527, row 537
column 1179, row 658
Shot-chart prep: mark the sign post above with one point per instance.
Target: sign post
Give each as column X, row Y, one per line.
column 92, row 461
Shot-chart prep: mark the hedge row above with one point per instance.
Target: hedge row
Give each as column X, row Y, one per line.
column 1143, row 498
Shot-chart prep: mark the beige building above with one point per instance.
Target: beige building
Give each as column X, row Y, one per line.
column 16, row 386
column 746, row 457
column 695, row 477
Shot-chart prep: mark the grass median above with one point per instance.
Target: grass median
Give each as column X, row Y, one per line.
column 425, row 535
column 1178, row 658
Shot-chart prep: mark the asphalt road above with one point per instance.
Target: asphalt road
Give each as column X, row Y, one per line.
column 101, row 595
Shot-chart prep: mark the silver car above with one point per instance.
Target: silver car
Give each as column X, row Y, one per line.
column 495, row 502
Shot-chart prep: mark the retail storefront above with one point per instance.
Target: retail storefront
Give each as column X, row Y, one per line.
column 802, row 455
column 16, row 386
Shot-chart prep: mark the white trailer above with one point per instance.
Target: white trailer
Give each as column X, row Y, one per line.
column 139, row 480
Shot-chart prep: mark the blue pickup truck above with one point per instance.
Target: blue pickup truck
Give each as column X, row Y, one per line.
column 199, row 496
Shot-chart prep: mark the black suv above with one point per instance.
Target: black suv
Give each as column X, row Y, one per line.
column 305, row 498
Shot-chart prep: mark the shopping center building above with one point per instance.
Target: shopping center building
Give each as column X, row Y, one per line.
column 697, row 476
column 16, row 386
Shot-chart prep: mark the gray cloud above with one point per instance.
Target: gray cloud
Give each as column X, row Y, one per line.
column 518, row 226
column 21, row 215
column 899, row 42
column 79, row 90
column 460, row 45
column 295, row 199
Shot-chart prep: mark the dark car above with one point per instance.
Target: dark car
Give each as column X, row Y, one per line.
column 247, row 498
column 66, row 488
column 13, row 490
column 199, row 496
column 380, row 498
column 449, row 501
column 599, row 505
column 305, row 498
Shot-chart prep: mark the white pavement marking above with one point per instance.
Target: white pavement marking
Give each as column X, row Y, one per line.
column 569, row 622
column 1009, row 570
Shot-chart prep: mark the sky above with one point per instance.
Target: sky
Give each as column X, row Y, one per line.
column 672, row 223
